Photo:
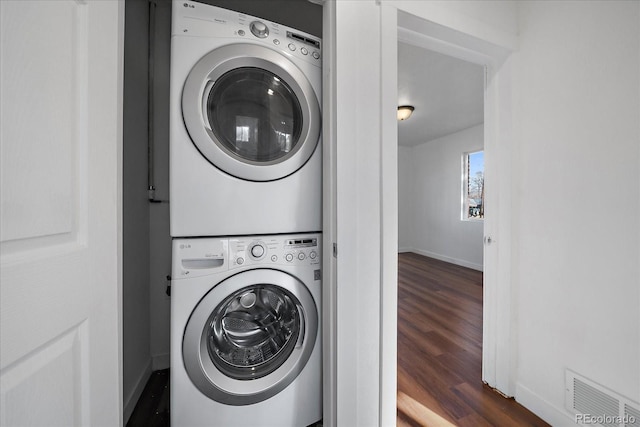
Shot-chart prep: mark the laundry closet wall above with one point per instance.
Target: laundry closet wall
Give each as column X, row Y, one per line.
column 136, row 366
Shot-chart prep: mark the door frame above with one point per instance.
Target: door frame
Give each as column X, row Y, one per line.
column 373, row 27
column 407, row 23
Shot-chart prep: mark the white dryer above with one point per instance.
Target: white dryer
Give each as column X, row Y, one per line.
column 245, row 122
column 245, row 331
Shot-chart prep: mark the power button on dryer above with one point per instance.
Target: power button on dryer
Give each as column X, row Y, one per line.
column 259, row 29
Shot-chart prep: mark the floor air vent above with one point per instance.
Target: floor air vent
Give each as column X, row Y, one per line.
column 593, row 404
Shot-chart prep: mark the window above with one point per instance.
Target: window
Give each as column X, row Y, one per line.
column 473, row 186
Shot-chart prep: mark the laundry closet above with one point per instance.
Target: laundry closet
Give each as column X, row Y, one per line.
column 147, row 253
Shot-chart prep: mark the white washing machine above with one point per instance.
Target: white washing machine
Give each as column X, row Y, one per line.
column 245, row 122
column 245, row 331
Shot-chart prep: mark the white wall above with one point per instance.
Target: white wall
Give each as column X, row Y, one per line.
column 433, row 225
column 357, row 142
column 576, row 227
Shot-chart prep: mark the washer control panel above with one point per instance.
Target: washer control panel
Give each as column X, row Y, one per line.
column 192, row 18
column 193, row 257
column 276, row 250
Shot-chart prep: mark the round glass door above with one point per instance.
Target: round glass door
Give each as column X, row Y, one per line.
column 251, row 112
column 250, row 336
column 253, row 331
column 254, row 114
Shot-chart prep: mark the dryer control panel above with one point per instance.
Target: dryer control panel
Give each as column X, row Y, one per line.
column 196, row 19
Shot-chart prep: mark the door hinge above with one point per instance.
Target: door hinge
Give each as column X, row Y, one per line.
column 335, row 250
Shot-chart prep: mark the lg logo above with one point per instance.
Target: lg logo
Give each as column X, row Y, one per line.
column 189, row 5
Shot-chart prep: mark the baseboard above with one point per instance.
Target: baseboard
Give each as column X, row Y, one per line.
column 456, row 261
column 542, row 408
column 132, row 400
column 160, row 362
column 402, row 250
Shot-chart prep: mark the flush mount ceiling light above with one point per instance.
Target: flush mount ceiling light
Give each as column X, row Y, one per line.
column 405, row 111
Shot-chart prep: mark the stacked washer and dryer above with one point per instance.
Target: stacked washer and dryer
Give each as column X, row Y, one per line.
column 246, row 220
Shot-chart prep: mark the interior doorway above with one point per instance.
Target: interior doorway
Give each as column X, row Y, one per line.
column 497, row 348
column 440, row 234
column 368, row 96
column 440, row 156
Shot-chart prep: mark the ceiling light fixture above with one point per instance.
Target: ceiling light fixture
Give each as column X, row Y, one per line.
column 405, row 111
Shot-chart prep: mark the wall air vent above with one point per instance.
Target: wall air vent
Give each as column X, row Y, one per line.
column 593, row 404
column 631, row 413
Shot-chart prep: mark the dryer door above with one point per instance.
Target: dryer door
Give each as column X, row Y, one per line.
column 245, row 106
column 250, row 336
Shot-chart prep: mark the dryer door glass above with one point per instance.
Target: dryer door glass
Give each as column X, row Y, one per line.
column 254, row 114
column 253, row 331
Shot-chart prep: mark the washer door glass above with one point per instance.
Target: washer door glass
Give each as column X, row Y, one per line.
column 252, row 332
column 254, row 114
column 250, row 336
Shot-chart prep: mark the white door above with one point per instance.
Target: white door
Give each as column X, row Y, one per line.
column 61, row 103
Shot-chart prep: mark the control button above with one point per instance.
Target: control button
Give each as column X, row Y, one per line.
column 257, row 251
column 301, row 256
column 292, row 47
column 240, row 261
column 274, row 258
column 276, row 42
column 241, row 32
column 289, row 257
column 304, row 51
column 313, row 254
column 259, row 29
column 316, row 54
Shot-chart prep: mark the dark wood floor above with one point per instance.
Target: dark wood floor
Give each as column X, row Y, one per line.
column 440, row 350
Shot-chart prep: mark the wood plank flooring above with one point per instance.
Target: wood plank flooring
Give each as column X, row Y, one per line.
column 440, row 350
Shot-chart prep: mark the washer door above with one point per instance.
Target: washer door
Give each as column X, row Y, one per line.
column 250, row 336
column 247, row 105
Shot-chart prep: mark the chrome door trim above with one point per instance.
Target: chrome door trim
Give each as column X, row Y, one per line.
column 196, row 89
column 213, row 383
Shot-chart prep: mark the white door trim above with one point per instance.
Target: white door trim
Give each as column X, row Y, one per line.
column 360, row 199
column 329, row 227
column 414, row 27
